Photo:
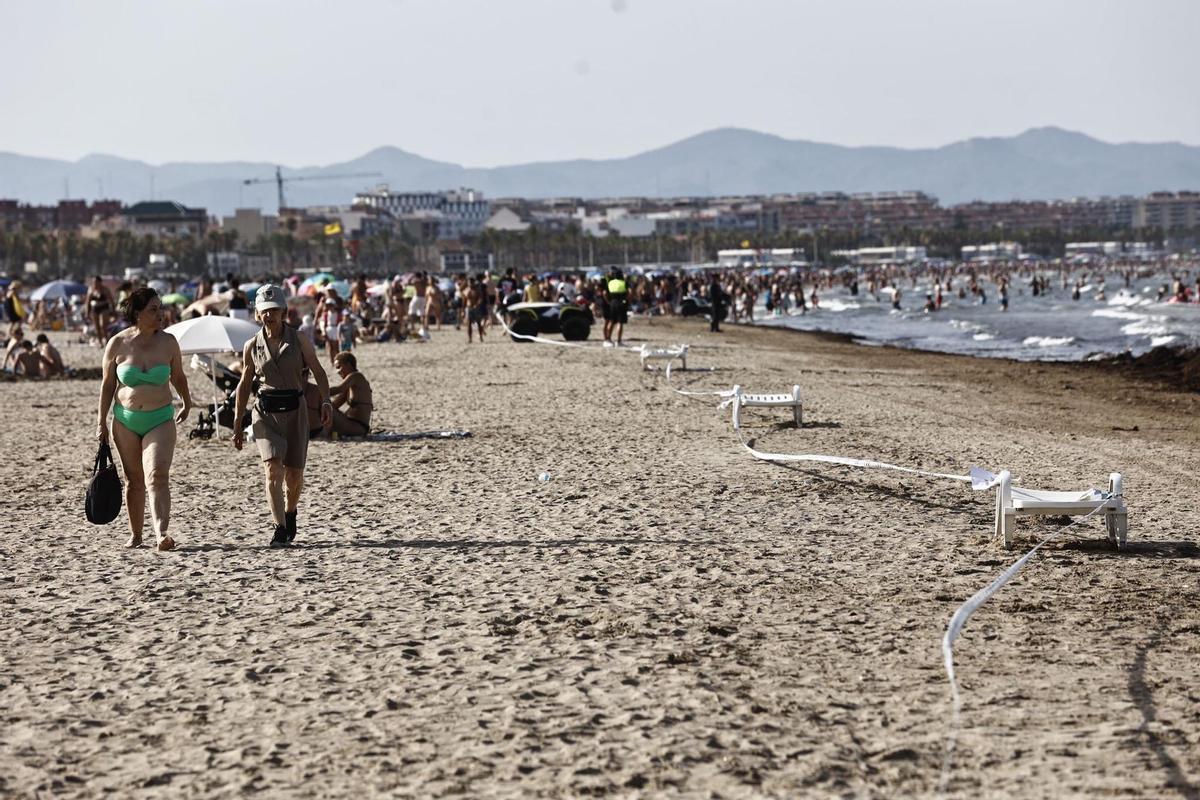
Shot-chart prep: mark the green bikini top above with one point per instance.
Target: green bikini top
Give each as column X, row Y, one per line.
column 130, row 375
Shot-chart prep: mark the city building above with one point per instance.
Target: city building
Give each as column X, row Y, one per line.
column 1168, row 210
column 883, row 255
column 776, row 257
column 66, row 215
column 165, row 219
column 250, row 224
column 505, row 219
column 998, row 251
column 458, row 213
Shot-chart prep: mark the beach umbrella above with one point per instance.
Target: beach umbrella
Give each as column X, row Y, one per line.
column 341, row 287
column 213, row 334
column 57, row 290
column 313, row 283
column 175, row 299
column 377, row 289
column 210, row 335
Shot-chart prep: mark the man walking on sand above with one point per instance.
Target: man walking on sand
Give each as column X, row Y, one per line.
column 476, row 309
column 278, row 355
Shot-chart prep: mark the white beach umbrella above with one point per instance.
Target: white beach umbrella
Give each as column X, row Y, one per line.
column 57, row 290
column 211, row 335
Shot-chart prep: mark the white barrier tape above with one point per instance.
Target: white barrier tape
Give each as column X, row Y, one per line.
column 689, row 393
column 959, row 619
column 850, row 462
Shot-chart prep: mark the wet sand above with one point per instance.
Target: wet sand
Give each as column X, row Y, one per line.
column 664, row 617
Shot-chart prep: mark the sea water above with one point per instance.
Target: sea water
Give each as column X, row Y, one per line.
column 1050, row 327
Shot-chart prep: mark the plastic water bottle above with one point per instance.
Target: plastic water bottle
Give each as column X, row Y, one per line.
column 544, row 477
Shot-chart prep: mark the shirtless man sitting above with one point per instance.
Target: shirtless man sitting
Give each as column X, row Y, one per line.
column 354, row 392
column 52, row 363
column 27, row 362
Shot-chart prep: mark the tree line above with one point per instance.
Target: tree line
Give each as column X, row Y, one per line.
column 66, row 253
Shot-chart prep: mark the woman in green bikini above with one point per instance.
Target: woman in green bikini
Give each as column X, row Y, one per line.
column 138, row 364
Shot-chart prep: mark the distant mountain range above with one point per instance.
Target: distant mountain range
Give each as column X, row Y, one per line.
column 1042, row 163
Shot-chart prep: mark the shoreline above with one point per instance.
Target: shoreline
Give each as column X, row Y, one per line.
column 1171, row 366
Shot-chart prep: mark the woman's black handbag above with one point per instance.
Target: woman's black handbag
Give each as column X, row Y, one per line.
column 103, row 502
column 274, row 401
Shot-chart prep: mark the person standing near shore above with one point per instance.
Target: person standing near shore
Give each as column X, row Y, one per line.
column 138, row 363
column 277, row 356
column 616, row 295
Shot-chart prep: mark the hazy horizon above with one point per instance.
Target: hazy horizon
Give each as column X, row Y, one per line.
column 314, row 165
column 484, row 84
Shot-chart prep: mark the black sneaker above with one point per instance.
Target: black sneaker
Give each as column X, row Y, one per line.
column 280, row 539
column 291, row 525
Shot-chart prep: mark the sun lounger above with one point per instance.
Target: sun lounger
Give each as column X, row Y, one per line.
column 664, row 354
column 1013, row 501
column 789, row 400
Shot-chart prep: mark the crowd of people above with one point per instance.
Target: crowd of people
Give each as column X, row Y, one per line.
column 284, row 390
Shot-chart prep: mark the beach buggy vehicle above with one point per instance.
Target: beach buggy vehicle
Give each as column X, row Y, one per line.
column 694, row 306
column 533, row 319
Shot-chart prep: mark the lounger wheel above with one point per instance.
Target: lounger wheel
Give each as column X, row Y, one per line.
column 575, row 327
column 523, row 325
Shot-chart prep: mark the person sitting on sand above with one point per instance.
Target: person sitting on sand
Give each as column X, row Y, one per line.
column 15, row 338
column 26, row 361
column 52, row 363
column 354, row 392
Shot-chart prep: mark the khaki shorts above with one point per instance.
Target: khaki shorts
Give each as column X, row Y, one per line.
column 282, row 435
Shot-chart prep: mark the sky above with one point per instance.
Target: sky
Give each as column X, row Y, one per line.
column 491, row 82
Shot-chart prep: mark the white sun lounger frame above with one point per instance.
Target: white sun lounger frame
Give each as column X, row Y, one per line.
column 1012, row 502
column 743, row 400
column 664, row 354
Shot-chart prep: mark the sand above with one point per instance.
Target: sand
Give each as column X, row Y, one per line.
column 664, row 617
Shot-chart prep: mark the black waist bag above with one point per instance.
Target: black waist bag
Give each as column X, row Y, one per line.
column 274, row 401
column 103, row 502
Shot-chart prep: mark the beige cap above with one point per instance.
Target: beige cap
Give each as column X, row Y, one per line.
column 269, row 296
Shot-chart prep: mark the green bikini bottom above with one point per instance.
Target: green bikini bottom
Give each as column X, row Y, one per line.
column 142, row 422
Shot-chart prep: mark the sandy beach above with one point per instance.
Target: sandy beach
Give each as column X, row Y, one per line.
column 665, row 617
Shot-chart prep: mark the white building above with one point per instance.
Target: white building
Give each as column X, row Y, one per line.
column 461, row 213
column 777, row 257
column 505, row 219
column 997, row 251
column 884, row 255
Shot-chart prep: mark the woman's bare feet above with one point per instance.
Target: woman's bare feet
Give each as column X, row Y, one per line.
column 166, row 543
column 135, row 540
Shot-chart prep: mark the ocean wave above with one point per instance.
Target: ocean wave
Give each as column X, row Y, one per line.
column 1145, row 327
column 1115, row 313
column 1159, row 341
column 1048, row 341
column 983, row 337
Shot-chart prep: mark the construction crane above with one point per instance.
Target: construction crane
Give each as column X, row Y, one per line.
column 279, row 180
